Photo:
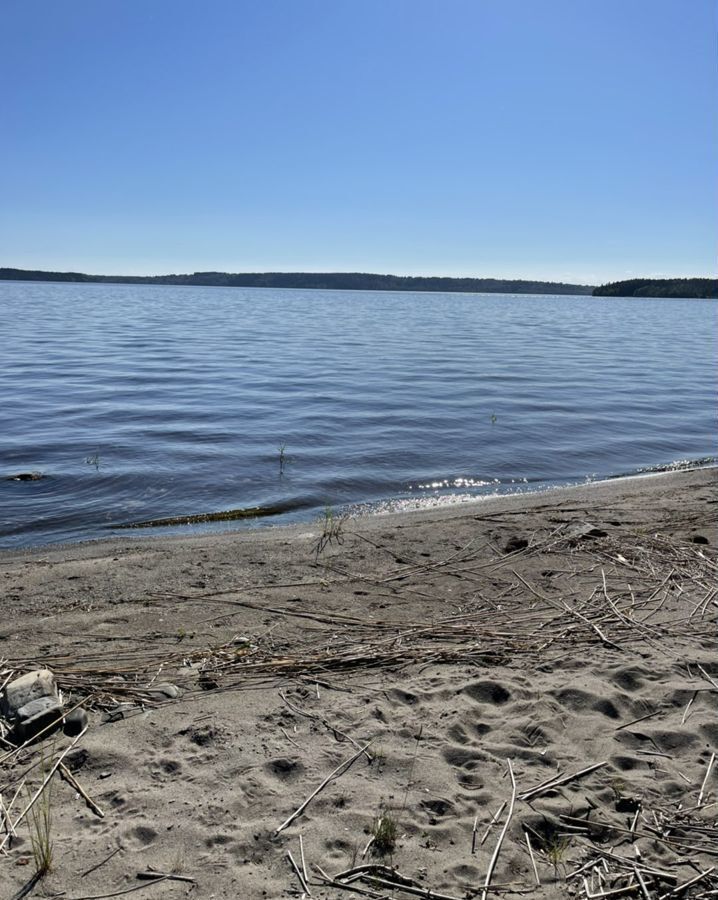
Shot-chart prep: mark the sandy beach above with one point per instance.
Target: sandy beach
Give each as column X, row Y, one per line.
column 519, row 692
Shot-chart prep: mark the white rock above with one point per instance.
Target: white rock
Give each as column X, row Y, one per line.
column 23, row 690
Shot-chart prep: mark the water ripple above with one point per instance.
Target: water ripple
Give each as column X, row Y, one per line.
column 142, row 402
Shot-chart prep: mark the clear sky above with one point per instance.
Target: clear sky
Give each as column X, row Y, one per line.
column 568, row 140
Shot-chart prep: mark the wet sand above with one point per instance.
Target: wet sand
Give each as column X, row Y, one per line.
column 553, row 632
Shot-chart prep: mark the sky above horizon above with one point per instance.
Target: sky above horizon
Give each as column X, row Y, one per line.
column 565, row 140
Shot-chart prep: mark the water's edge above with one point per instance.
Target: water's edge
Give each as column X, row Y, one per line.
column 446, row 506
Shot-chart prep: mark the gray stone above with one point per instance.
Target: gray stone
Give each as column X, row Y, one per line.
column 165, row 690
column 37, row 715
column 74, row 722
column 21, row 691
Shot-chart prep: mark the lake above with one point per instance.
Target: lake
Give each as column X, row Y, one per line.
column 140, row 402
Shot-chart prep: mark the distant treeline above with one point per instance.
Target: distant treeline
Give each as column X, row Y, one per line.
column 344, row 281
column 363, row 281
column 660, row 287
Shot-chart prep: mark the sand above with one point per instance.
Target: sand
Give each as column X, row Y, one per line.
column 533, row 636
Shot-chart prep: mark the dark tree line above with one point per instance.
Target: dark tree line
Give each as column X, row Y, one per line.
column 363, row 281
column 660, row 287
column 345, row 281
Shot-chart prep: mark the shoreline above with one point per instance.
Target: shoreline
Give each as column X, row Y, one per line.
column 443, row 510
column 570, row 633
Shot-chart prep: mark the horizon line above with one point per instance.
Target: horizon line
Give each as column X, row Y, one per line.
column 336, row 272
column 312, row 271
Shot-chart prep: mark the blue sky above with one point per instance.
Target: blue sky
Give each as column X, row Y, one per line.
column 562, row 139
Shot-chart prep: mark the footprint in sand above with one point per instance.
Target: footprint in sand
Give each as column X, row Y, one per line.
column 284, row 768
column 339, row 849
column 470, row 733
column 219, row 840
column 437, row 808
column 673, row 742
column 488, row 692
column 628, row 763
column 460, row 757
column 141, row 835
column 397, row 695
column 586, row 702
column 630, row 678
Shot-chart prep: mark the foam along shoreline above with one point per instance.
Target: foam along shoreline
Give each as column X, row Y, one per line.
column 570, row 633
column 447, row 504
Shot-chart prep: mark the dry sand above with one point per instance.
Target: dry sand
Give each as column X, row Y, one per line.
column 453, row 642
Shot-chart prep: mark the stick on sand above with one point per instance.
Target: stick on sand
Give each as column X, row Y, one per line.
column 495, row 856
column 42, row 787
column 340, row 769
column 705, row 780
column 557, row 782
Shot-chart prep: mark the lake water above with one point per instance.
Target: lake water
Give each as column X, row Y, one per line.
column 139, row 402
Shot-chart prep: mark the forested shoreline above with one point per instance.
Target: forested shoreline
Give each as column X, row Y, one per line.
column 344, row 281
column 363, row 281
column 660, row 287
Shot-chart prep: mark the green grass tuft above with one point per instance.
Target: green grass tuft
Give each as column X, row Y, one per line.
column 40, row 822
column 385, row 833
column 332, row 531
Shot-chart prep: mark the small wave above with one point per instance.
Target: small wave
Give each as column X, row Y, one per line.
column 442, row 492
column 443, row 483
column 410, row 504
column 460, row 482
column 678, row 465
